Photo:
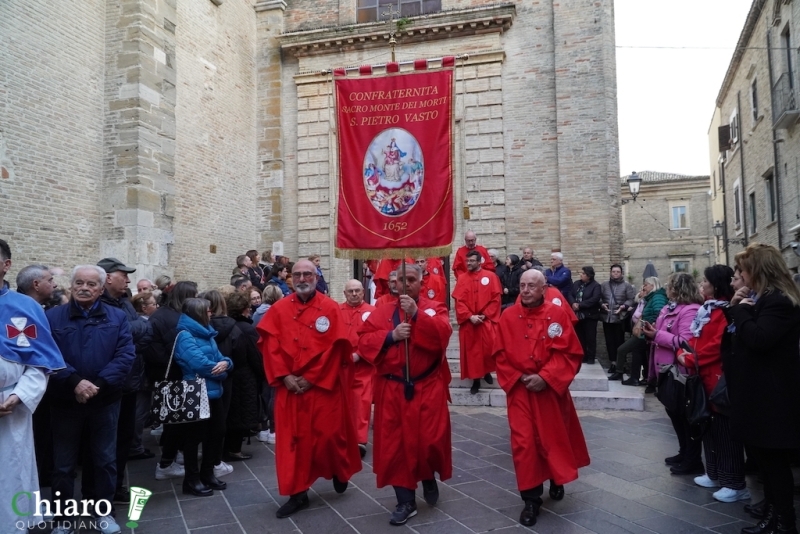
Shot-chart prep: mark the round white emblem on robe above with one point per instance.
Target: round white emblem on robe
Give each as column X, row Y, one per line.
column 557, row 301
column 431, row 294
column 322, row 324
column 364, row 317
column 554, row 330
column 430, row 312
column 483, row 259
column 485, row 281
column 435, row 270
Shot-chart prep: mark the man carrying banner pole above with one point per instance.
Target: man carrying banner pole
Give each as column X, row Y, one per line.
column 411, row 393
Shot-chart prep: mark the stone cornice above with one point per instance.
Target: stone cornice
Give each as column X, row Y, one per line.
column 267, row 5
column 453, row 23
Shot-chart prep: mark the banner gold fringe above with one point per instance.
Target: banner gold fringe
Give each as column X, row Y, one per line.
column 392, row 253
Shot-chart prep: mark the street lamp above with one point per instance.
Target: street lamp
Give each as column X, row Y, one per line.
column 719, row 231
column 633, row 186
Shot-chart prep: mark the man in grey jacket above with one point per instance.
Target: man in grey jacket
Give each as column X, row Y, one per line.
column 617, row 303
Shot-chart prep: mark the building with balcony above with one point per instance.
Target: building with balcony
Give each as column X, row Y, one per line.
column 754, row 137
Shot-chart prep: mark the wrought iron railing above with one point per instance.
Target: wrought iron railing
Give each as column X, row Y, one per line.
column 783, row 97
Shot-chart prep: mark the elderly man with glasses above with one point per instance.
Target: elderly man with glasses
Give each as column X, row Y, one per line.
column 308, row 359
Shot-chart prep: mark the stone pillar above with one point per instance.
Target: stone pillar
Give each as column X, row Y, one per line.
column 139, row 137
column 270, row 141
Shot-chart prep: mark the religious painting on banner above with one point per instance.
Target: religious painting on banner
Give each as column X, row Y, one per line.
column 395, row 162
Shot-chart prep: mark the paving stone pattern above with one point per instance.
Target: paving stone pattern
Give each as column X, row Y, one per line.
column 627, row 489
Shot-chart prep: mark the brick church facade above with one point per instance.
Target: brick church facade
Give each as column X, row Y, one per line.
column 175, row 135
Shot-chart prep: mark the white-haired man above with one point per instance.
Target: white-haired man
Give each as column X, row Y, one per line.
column 559, row 276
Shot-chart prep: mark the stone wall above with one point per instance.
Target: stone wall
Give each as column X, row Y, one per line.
column 215, row 164
column 51, row 131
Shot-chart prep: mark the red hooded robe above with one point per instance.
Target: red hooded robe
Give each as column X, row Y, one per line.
column 361, row 388
column 315, row 433
column 477, row 293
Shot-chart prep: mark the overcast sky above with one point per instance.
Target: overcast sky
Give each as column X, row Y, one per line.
column 666, row 97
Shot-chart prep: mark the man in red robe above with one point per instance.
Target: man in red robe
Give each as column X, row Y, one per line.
column 477, row 295
column 411, row 430
column 306, row 357
column 393, row 294
column 433, row 286
column 460, row 262
column 538, row 355
column 354, row 312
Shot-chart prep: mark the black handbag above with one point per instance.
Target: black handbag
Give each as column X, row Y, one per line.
column 719, row 397
column 180, row 401
column 671, row 388
column 695, row 404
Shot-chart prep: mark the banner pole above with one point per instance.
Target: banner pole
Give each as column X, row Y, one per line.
column 405, row 341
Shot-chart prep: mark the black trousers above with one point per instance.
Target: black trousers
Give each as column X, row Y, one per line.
column 126, row 428
column 690, row 448
column 724, row 455
column 776, row 470
column 533, row 494
column 587, row 335
column 637, row 347
column 211, row 433
column 615, row 336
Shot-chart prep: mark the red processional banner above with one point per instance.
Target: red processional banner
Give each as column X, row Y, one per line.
column 395, row 163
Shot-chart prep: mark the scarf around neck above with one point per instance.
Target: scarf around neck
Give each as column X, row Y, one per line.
column 704, row 315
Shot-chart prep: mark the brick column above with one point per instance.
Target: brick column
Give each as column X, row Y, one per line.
column 139, row 136
column 270, row 141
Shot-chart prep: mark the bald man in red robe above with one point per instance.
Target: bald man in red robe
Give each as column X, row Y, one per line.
column 554, row 296
column 307, row 356
column 538, row 355
column 477, row 295
column 433, row 286
column 354, row 312
column 411, row 431
column 470, row 243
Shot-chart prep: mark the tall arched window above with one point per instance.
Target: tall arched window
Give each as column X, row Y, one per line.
column 373, row 10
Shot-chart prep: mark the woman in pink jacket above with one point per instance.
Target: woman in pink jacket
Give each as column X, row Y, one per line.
column 673, row 327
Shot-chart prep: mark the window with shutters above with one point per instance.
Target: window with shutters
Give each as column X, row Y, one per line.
column 754, row 100
column 737, row 205
column 751, row 206
column 769, row 190
column 734, row 124
column 375, row 10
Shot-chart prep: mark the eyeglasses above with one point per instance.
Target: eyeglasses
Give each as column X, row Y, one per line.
column 305, row 274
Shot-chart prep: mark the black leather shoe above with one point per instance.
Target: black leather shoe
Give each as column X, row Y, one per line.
column 529, row 513
column 236, row 456
column 685, row 468
column 615, row 376
column 339, row 486
column 757, row 510
column 362, row 449
column 556, row 492
column 430, row 491
column 785, row 525
column 196, row 488
column 476, row 385
column 295, row 503
column 674, row 460
column 767, row 524
column 589, row 361
column 213, row 482
column 643, row 382
column 650, row 389
column 488, row 378
column 630, row 382
column 403, row 513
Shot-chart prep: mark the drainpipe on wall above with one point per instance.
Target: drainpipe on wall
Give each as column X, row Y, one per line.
column 775, row 173
column 741, row 165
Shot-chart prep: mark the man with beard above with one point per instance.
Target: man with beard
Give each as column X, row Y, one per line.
column 394, row 292
column 470, row 243
column 307, row 358
column 354, row 312
column 538, row 355
column 411, row 431
column 477, row 297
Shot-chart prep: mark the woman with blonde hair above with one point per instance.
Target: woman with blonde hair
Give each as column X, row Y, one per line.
column 762, row 371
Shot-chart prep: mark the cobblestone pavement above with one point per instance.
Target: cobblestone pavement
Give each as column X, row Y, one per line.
column 627, row 488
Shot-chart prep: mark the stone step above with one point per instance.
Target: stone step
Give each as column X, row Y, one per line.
column 618, row 397
column 590, row 378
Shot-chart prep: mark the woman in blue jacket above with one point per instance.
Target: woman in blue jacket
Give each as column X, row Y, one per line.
column 198, row 356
